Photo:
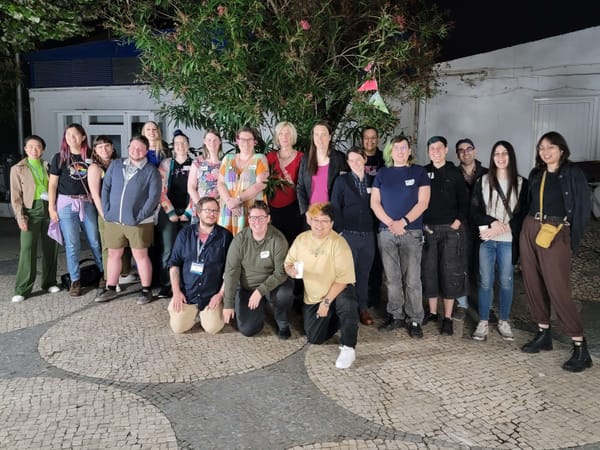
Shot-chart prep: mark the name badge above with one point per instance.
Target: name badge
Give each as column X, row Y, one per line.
column 368, row 190
column 264, row 254
column 186, row 168
column 252, row 167
column 203, row 168
column 431, row 175
column 44, row 196
column 197, row 268
column 410, row 182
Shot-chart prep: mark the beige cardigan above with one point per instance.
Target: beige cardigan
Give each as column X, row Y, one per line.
column 22, row 189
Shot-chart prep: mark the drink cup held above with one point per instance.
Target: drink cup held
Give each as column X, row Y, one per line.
column 299, row 266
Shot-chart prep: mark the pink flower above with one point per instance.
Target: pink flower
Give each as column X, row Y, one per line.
column 305, row 24
column 401, row 21
column 221, row 10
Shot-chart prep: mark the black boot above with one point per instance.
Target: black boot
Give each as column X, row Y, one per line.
column 580, row 358
column 542, row 341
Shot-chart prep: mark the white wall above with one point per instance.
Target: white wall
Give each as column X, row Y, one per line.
column 492, row 96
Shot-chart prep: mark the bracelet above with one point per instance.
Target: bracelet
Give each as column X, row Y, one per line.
column 406, row 220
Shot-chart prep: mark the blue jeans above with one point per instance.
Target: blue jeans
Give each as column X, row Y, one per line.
column 70, row 227
column 401, row 258
column 491, row 254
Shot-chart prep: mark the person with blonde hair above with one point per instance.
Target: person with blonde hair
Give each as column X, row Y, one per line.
column 323, row 259
column 158, row 147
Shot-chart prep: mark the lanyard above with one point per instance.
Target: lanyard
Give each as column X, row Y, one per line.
column 200, row 248
column 43, row 181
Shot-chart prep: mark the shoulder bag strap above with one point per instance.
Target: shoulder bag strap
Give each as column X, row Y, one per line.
column 504, row 201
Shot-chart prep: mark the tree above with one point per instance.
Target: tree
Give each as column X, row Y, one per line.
column 230, row 63
column 27, row 23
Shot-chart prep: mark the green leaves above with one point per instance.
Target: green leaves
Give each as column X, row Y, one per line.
column 254, row 62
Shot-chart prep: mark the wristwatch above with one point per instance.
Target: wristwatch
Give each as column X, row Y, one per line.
column 326, row 302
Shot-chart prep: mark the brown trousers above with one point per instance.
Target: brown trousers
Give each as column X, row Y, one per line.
column 547, row 278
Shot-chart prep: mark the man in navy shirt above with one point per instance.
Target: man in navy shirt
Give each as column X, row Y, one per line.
column 196, row 269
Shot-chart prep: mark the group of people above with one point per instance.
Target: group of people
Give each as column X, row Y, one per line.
column 221, row 250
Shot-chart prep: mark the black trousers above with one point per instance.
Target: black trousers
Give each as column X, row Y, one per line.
column 343, row 316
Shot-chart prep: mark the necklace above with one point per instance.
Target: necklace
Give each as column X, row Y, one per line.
column 316, row 248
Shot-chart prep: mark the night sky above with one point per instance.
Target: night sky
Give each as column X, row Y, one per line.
column 485, row 25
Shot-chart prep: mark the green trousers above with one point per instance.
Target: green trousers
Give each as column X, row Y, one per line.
column 37, row 232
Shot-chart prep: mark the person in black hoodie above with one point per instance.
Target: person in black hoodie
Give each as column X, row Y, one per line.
column 443, row 266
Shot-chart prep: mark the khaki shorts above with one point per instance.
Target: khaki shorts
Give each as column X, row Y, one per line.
column 121, row 236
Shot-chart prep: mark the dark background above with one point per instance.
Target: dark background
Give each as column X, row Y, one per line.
column 481, row 26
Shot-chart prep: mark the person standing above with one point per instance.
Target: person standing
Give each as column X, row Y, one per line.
column 29, row 200
column 559, row 196
column 158, row 147
column 241, row 181
column 370, row 142
column 130, row 196
column 70, row 202
column 318, row 169
column 196, row 267
column 444, row 260
column 204, row 174
column 399, row 196
column 498, row 207
column 354, row 220
column 472, row 170
column 254, row 275
column 285, row 163
column 176, row 208
column 328, row 274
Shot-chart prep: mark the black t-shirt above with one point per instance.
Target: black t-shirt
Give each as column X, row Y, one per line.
column 72, row 175
column 554, row 204
column 178, row 193
column 374, row 163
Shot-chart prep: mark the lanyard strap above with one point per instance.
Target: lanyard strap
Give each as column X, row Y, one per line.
column 43, row 181
column 200, row 248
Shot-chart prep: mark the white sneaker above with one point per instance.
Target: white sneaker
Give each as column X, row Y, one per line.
column 17, row 299
column 505, row 330
column 118, row 289
column 481, row 331
column 346, row 358
column 129, row 279
column 53, row 289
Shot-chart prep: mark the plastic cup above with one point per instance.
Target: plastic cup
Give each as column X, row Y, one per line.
column 299, row 266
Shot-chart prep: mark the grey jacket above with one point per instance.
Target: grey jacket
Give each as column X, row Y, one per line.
column 132, row 201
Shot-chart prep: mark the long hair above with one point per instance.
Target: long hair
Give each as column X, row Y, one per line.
column 160, row 148
column 65, row 151
column 511, row 171
column 557, row 139
column 313, row 165
column 387, row 150
column 217, row 134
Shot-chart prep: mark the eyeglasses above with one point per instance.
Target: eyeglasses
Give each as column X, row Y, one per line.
column 465, row 150
column 210, row 211
column 258, row 219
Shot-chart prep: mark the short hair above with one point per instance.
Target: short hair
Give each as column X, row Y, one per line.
column 367, row 128
column 280, row 126
column 434, row 139
column 35, row 137
column 247, row 129
column 358, row 150
column 204, row 200
column 143, row 139
column 102, row 139
column 259, row 204
column 464, row 141
column 387, row 150
column 317, row 209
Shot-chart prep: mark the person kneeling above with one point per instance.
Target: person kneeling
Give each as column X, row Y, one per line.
column 254, row 272
column 196, row 269
column 330, row 302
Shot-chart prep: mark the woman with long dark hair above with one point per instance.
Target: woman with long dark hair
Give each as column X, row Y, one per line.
column 558, row 196
column 319, row 168
column 70, row 202
column 498, row 207
column 204, row 173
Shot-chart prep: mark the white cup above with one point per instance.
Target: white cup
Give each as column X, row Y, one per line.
column 299, row 266
column 483, row 228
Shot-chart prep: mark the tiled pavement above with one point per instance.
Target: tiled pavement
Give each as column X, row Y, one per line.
column 75, row 374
